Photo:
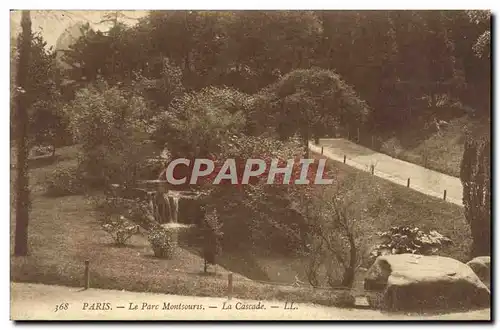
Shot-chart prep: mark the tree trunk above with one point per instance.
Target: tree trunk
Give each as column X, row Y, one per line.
column 306, row 143
column 22, row 100
column 348, row 277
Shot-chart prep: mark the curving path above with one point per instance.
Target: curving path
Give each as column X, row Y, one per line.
column 426, row 181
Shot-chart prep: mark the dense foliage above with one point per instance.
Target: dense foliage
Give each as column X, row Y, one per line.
column 404, row 239
column 373, row 51
column 309, row 103
column 111, row 125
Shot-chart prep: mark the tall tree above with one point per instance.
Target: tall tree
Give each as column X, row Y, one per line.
column 309, row 103
column 475, row 171
column 475, row 175
column 22, row 105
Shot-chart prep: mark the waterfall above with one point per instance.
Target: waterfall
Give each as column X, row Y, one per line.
column 174, row 208
column 167, row 216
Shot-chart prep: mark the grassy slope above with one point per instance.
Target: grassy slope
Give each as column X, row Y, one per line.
column 64, row 232
column 402, row 206
column 441, row 151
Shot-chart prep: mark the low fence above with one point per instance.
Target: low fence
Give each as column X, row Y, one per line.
column 371, row 169
column 327, row 295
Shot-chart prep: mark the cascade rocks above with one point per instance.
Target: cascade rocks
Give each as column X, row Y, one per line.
column 417, row 283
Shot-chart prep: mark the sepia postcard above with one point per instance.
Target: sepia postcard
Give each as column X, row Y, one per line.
column 250, row 165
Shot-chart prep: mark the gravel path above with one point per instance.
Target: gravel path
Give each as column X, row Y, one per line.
column 38, row 302
column 426, row 181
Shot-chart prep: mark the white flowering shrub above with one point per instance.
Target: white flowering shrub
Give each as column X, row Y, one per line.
column 121, row 230
column 405, row 239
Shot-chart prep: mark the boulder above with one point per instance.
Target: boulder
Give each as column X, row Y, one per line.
column 408, row 282
column 481, row 266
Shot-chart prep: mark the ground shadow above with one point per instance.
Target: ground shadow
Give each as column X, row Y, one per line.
column 430, row 312
column 241, row 262
column 349, row 148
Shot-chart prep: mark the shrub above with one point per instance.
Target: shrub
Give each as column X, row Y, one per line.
column 392, row 147
column 345, row 299
column 64, row 182
column 212, row 235
column 137, row 211
column 404, row 239
column 164, row 242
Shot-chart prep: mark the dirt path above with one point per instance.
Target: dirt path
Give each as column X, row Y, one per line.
column 426, row 181
column 38, row 302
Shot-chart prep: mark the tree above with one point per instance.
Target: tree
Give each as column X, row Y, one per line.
column 160, row 83
column 198, row 123
column 22, row 104
column 309, row 103
column 336, row 217
column 47, row 123
column 260, row 46
column 475, row 169
column 111, row 125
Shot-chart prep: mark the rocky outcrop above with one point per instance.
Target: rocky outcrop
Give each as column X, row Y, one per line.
column 481, row 266
column 417, row 283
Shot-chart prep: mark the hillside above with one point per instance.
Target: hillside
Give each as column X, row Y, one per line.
column 440, row 150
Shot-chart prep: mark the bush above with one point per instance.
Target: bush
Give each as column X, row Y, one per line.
column 136, row 211
column 121, row 230
column 65, row 182
column 164, row 242
column 404, row 239
column 345, row 299
column 212, row 236
column 392, row 147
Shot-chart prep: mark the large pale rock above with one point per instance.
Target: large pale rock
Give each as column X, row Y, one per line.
column 417, row 283
column 481, row 266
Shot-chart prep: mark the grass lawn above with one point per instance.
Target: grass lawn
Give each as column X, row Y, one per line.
column 404, row 206
column 441, row 151
column 64, row 232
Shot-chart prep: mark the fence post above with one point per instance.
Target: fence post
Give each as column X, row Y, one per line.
column 444, row 195
column 344, row 159
column 87, row 274
column 230, row 286
column 408, row 183
column 372, row 168
column 321, row 149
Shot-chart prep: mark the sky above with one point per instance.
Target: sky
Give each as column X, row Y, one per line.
column 52, row 23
